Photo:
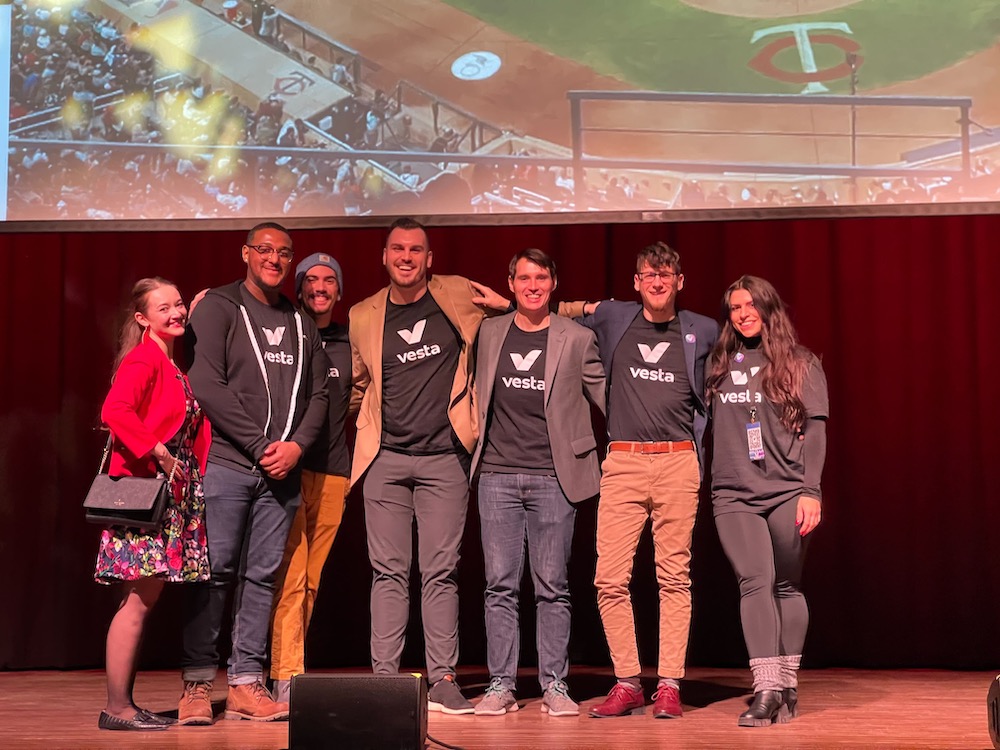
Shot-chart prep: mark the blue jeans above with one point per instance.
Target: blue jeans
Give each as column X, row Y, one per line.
column 513, row 508
column 247, row 517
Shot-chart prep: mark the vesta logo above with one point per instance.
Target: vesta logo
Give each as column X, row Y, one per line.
column 742, row 397
column 334, row 372
column 657, row 376
column 652, row 356
column 740, row 378
column 274, row 337
column 422, row 353
column 525, row 384
column 279, row 358
column 414, row 336
column 523, row 364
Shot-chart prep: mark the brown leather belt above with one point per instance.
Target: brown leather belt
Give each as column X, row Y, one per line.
column 666, row 446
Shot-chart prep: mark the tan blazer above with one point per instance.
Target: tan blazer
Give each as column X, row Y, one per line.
column 453, row 295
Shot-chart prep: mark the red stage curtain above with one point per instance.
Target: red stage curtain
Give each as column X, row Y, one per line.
column 901, row 573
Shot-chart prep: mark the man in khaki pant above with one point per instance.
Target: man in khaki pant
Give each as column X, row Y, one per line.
column 326, row 468
column 654, row 357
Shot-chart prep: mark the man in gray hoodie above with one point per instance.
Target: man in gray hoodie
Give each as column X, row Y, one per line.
column 259, row 372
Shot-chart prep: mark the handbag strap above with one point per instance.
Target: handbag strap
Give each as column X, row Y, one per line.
column 104, row 458
column 107, row 450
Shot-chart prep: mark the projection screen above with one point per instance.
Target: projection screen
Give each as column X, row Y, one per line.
column 217, row 109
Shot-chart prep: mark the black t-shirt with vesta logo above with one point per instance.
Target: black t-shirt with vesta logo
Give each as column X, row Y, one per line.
column 277, row 340
column 737, row 481
column 517, row 438
column 650, row 397
column 329, row 454
column 419, row 359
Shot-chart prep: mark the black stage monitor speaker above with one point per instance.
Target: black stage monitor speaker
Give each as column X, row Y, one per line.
column 993, row 711
column 358, row 712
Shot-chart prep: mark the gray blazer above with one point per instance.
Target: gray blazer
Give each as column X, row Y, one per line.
column 574, row 379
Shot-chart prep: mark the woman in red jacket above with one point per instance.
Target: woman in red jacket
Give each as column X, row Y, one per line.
column 155, row 422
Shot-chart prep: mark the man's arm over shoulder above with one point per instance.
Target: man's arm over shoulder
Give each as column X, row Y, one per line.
column 210, row 327
column 598, row 314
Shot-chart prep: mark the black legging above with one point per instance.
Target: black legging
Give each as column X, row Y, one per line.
column 766, row 553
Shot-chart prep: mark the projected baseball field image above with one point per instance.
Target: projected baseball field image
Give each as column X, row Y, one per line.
column 180, row 109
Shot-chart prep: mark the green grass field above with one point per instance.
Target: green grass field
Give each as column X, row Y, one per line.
column 669, row 46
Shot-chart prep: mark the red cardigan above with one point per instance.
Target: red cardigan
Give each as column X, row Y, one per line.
column 145, row 406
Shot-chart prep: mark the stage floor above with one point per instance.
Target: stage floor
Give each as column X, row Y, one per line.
column 839, row 708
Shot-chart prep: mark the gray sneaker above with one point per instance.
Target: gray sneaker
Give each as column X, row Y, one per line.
column 445, row 696
column 497, row 701
column 556, row 700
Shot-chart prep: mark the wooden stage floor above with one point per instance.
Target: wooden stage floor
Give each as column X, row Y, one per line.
column 838, row 709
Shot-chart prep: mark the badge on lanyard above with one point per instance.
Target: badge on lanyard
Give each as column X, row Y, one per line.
column 755, row 439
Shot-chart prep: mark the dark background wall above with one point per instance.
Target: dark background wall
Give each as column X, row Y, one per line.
column 904, row 312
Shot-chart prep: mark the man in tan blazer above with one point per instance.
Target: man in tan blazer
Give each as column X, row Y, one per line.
column 537, row 376
column 412, row 346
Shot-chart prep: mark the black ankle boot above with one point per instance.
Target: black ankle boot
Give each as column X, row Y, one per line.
column 791, row 705
column 765, row 709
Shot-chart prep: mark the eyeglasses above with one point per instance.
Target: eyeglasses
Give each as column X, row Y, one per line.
column 650, row 276
column 265, row 251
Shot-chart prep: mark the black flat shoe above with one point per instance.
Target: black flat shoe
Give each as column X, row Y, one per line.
column 137, row 723
column 767, row 708
column 154, row 718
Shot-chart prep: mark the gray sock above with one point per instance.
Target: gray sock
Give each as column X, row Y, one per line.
column 790, row 670
column 668, row 682
column 766, row 673
column 632, row 682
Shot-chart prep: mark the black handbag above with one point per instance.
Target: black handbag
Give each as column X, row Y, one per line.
column 139, row 502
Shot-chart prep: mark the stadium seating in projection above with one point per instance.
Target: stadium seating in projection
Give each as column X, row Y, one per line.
column 209, row 109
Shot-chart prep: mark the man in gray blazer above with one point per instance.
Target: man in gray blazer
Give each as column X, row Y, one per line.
column 537, row 375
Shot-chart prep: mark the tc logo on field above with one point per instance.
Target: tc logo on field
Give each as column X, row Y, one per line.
column 798, row 35
column 523, row 364
column 652, row 356
column 274, row 337
column 414, row 336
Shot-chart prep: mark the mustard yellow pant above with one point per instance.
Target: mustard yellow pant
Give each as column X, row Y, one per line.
column 309, row 541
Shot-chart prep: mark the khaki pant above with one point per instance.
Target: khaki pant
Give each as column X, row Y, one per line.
column 664, row 488
column 309, row 541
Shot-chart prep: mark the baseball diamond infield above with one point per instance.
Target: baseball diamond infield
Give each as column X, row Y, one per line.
column 917, row 47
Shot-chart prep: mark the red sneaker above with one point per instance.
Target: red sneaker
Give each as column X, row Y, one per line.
column 623, row 699
column 667, row 703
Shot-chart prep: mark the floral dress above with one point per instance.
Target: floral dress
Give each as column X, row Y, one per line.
column 178, row 551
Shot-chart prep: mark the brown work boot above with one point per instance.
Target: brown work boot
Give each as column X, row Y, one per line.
column 255, row 703
column 196, row 704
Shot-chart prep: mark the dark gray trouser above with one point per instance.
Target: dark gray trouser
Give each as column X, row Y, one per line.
column 766, row 553
column 247, row 517
column 435, row 491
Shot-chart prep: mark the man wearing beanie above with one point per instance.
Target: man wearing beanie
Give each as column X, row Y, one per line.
column 319, row 284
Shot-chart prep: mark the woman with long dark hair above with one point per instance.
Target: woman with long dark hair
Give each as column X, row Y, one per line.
column 155, row 423
column 769, row 404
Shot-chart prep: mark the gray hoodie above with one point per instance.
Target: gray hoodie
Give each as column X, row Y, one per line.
column 229, row 379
